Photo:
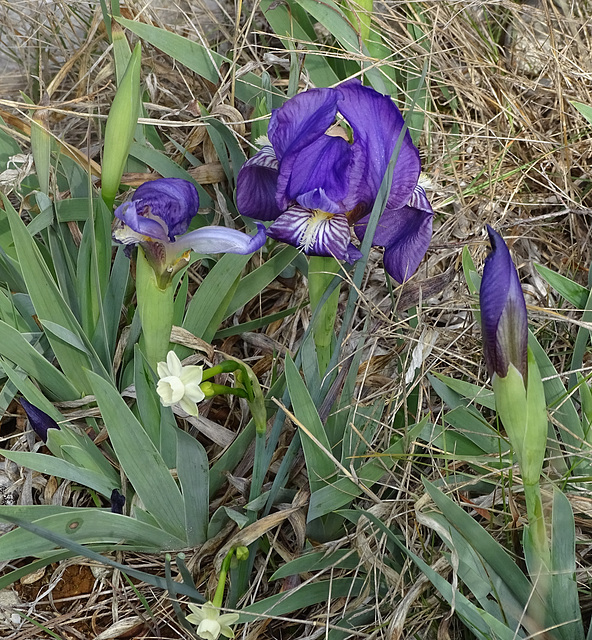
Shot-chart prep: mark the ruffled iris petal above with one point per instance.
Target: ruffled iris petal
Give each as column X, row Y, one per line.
column 256, row 186
column 216, row 239
column 377, row 123
column 302, row 120
column 408, row 246
column 405, row 233
column 323, row 164
column 504, row 322
column 173, row 200
column 315, row 232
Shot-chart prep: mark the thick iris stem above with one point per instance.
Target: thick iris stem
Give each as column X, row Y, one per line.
column 536, row 525
column 321, row 271
column 155, row 306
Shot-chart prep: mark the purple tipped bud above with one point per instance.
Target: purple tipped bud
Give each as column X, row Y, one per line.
column 39, row 420
column 504, row 323
column 117, row 502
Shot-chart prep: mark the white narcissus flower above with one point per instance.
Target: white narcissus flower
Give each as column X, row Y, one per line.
column 210, row 624
column 179, row 384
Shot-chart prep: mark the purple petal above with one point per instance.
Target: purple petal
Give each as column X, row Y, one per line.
column 173, row 200
column 256, row 186
column 39, row 420
column 136, row 225
column 504, row 322
column 318, row 199
column 377, row 123
column 316, row 232
column 323, row 164
column 216, row 239
column 405, row 233
column 302, row 120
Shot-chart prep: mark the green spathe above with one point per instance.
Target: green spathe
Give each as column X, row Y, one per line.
column 120, row 128
column 524, row 416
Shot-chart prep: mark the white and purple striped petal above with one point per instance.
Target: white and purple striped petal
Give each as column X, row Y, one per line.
column 315, row 232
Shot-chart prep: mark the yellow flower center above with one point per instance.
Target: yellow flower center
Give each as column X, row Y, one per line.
column 313, row 225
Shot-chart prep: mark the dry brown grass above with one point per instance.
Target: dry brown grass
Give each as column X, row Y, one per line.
column 502, row 145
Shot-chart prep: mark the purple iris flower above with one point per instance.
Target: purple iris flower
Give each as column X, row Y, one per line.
column 504, row 322
column 321, row 172
column 158, row 216
column 39, row 420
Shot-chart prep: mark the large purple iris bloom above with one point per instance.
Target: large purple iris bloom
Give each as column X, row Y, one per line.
column 158, row 216
column 504, row 322
column 314, row 183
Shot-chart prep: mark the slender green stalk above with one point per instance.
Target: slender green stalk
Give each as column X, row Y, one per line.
column 321, row 272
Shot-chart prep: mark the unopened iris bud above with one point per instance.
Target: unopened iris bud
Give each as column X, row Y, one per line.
column 504, row 323
column 39, row 420
column 117, row 502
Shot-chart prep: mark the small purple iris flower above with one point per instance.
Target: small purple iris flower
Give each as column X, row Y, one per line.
column 504, row 323
column 158, row 216
column 40, row 422
column 321, row 172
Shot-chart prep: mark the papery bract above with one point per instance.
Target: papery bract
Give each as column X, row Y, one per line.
column 40, row 421
column 314, row 184
column 504, row 323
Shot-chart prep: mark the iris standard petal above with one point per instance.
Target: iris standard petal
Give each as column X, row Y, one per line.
column 216, row 239
column 504, row 322
column 302, row 120
column 377, row 124
column 256, row 186
column 173, row 200
column 323, row 164
column 40, row 421
column 316, row 232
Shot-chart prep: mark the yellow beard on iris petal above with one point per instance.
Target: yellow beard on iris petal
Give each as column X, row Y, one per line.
column 313, row 225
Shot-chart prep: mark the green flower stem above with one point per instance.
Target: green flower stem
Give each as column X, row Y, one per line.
column 211, row 389
column 155, row 306
column 219, row 595
column 228, row 366
column 321, row 271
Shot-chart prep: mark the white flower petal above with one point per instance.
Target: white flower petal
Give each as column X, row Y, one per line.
column 170, row 389
column 174, row 364
column 209, row 629
column 192, row 374
column 189, row 406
